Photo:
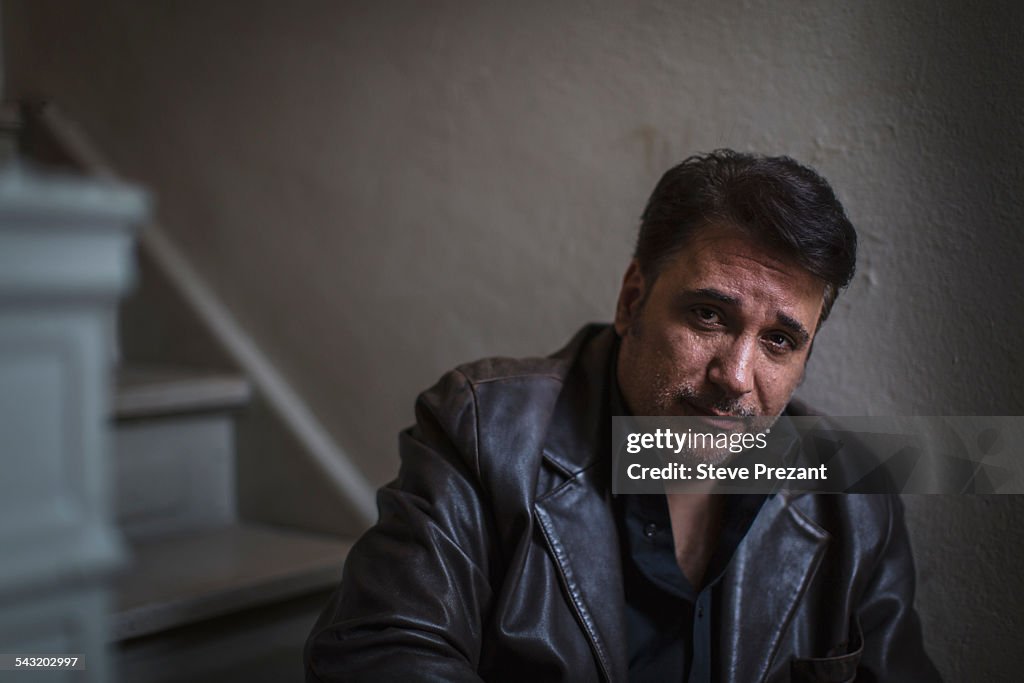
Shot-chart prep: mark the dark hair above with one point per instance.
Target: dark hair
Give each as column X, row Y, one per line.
column 780, row 202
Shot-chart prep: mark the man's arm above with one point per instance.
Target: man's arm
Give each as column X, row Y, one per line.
column 416, row 586
column 893, row 644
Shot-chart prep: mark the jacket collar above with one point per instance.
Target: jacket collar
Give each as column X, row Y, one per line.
column 580, row 434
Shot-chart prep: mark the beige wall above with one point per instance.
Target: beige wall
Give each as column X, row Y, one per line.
column 382, row 190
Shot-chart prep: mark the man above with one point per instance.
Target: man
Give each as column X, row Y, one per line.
column 501, row 553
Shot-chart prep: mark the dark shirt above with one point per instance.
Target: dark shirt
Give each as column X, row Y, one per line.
column 670, row 624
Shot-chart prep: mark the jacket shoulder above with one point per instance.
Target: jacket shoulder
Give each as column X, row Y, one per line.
column 493, row 407
column 515, row 370
column 496, row 412
column 475, row 399
column 555, row 367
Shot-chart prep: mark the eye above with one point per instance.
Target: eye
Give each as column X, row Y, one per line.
column 778, row 342
column 706, row 316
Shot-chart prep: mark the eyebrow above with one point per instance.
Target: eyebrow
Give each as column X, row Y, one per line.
column 789, row 323
column 715, row 294
column 794, row 326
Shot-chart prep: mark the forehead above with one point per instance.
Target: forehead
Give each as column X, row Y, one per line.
column 730, row 261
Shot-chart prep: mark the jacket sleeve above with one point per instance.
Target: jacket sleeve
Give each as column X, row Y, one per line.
column 893, row 647
column 416, row 586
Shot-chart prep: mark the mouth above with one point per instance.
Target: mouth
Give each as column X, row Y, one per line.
column 719, row 420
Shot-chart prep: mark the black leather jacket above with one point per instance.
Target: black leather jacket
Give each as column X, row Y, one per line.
column 496, row 555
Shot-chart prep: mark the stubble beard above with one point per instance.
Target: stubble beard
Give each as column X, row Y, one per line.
column 669, row 397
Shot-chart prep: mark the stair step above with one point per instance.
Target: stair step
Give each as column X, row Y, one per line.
column 153, row 390
column 174, row 475
column 174, row 446
column 179, row 580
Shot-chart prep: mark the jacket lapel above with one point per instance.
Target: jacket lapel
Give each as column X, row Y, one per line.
column 766, row 580
column 575, row 515
column 582, row 537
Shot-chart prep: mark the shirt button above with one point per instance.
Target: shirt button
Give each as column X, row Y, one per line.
column 650, row 530
column 700, row 611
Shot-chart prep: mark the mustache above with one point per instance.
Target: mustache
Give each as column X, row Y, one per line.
column 715, row 402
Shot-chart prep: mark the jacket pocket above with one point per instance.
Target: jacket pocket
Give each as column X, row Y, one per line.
column 841, row 668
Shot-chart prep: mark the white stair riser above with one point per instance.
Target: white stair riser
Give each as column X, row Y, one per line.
column 175, row 473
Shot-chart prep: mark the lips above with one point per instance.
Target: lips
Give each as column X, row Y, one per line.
column 723, row 421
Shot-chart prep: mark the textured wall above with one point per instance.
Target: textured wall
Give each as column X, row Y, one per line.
column 382, row 190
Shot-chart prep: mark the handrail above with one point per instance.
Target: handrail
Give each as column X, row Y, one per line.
column 332, row 461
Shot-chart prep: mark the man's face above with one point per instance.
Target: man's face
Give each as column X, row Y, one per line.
column 725, row 329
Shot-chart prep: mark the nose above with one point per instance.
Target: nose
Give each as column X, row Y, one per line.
column 732, row 368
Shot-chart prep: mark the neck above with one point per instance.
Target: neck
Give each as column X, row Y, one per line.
column 696, row 522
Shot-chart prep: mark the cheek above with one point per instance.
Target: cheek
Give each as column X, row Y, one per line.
column 687, row 354
column 777, row 385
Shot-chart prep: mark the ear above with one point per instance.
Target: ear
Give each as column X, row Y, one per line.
column 631, row 296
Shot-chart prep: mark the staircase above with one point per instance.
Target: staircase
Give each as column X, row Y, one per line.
column 197, row 573
column 174, row 473
column 207, row 593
